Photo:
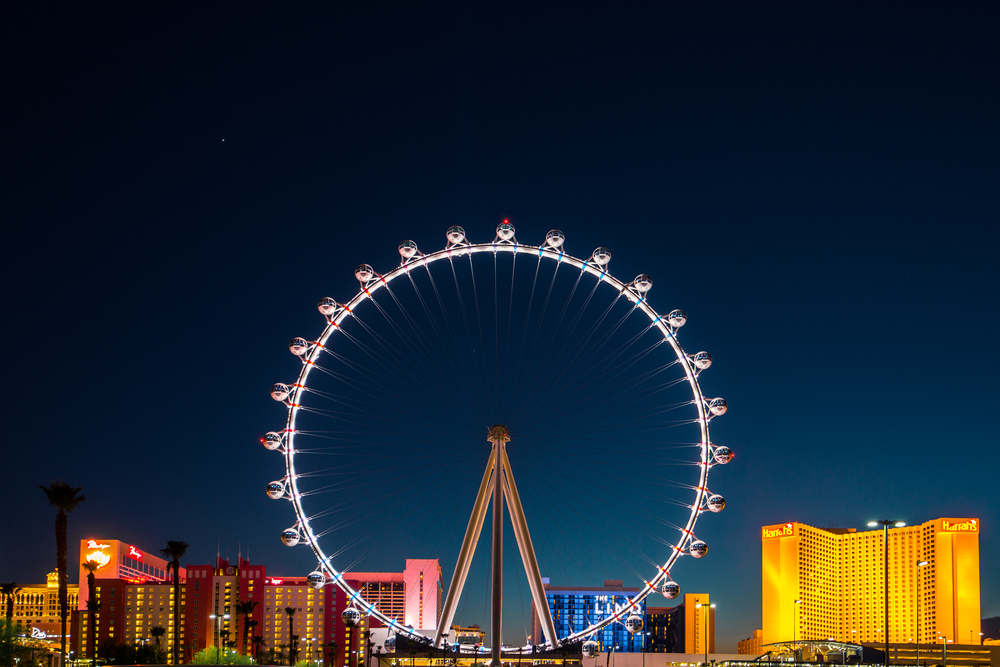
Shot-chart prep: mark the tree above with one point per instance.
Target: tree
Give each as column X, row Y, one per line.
column 157, row 631
column 293, row 649
column 7, row 593
column 258, row 645
column 174, row 552
column 331, row 652
column 93, row 605
column 245, row 608
column 291, row 628
column 64, row 498
column 248, row 632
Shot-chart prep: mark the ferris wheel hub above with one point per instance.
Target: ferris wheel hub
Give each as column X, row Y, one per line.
column 499, row 432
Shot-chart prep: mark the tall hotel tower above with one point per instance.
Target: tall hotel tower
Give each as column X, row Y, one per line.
column 822, row 583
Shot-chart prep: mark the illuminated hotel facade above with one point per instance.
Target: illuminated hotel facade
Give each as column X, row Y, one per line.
column 822, row 583
column 685, row 628
column 574, row 608
column 136, row 594
column 36, row 608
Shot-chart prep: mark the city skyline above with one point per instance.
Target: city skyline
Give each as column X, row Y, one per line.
column 815, row 187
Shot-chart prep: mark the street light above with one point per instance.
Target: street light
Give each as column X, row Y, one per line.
column 920, row 592
column 885, row 523
column 218, row 621
column 705, row 615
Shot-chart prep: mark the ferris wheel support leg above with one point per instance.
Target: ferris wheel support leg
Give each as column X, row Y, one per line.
column 468, row 550
column 528, row 554
column 498, row 435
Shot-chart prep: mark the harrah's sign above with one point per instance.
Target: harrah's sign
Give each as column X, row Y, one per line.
column 781, row 530
column 960, row 525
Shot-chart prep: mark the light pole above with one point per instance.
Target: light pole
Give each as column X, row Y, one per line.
column 885, row 523
column 705, row 622
column 218, row 621
column 920, row 592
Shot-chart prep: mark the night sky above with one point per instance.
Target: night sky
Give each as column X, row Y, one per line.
column 816, row 185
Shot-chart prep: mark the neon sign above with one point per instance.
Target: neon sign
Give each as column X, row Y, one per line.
column 960, row 526
column 784, row 530
column 132, row 551
column 91, row 544
column 272, row 580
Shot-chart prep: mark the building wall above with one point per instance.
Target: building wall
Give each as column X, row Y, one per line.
column 120, row 560
column 838, row 574
column 695, row 620
column 751, row 645
column 36, row 608
column 422, row 580
column 575, row 608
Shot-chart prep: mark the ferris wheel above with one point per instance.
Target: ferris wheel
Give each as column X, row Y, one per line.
column 581, row 388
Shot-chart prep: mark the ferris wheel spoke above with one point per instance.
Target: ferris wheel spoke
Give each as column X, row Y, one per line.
column 478, row 373
column 569, row 363
column 455, row 347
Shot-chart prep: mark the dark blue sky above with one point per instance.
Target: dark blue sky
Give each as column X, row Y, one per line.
column 817, row 186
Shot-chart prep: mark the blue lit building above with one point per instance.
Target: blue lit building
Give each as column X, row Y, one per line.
column 574, row 608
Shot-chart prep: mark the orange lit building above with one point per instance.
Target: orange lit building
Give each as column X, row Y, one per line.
column 822, row 583
column 36, row 609
column 751, row 645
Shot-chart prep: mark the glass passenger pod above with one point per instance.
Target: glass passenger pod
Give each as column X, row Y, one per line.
column 280, row 391
column 718, row 406
column 364, row 273
column 275, row 490
column 328, row 306
column 291, row 537
column 723, row 455
column 455, row 235
column 298, row 346
column 555, row 238
column 670, row 590
column 643, row 283
column 408, row 249
column 715, row 503
column 633, row 623
column 677, row 318
column 702, row 360
column 505, row 231
column 351, row 617
column 698, row 549
column 601, row 256
column 271, row 440
column 316, row 580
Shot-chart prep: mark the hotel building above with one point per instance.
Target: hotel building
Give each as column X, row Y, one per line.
column 821, row 583
column 681, row 629
column 135, row 591
column 36, row 608
column 574, row 608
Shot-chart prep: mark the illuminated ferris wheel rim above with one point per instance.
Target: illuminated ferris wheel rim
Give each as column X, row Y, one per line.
column 505, row 242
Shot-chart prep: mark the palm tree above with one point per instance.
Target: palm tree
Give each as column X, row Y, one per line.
column 64, row 498
column 174, row 552
column 93, row 605
column 332, row 646
column 291, row 628
column 245, row 608
column 293, row 649
column 258, row 646
column 248, row 642
column 7, row 592
column 158, row 631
